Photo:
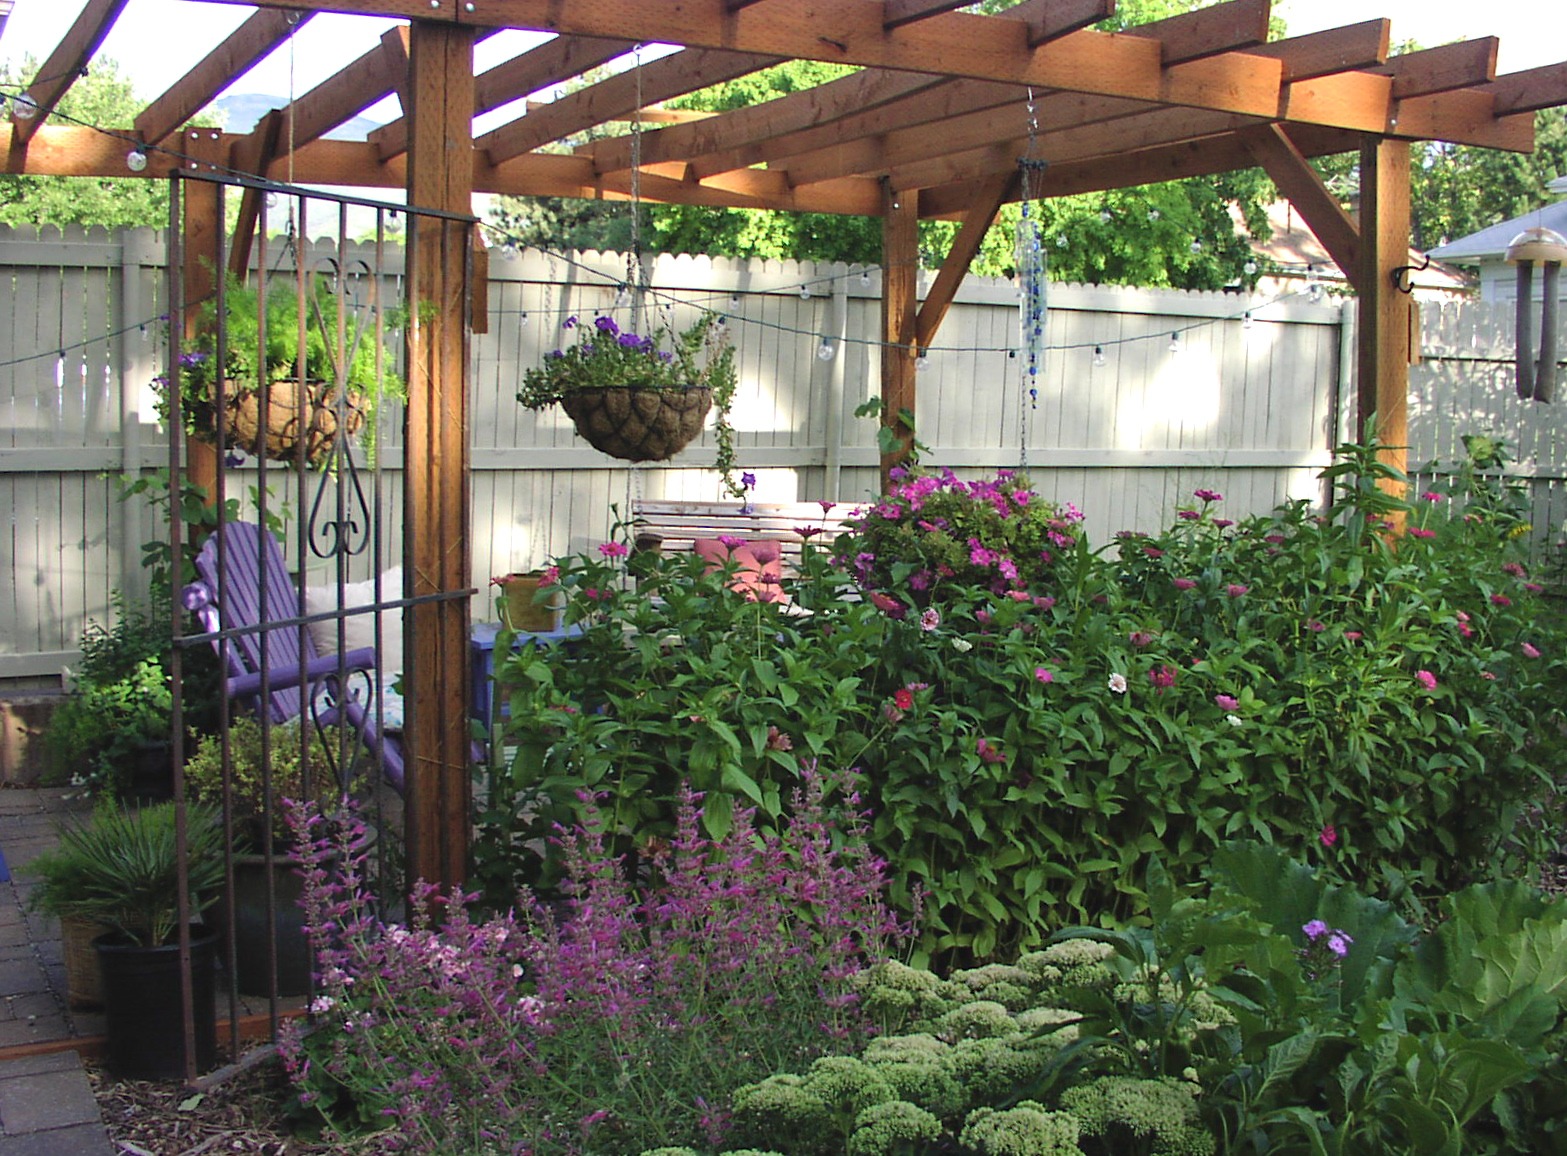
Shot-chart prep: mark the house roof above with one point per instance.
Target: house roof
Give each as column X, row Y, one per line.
column 1491, row 243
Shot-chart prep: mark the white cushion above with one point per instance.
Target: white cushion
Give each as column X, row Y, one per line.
column 359, row 629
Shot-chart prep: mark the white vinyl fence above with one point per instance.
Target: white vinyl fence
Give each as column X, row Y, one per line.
column 1142, row 397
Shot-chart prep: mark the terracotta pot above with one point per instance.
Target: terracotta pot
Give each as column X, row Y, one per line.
column 521, row 612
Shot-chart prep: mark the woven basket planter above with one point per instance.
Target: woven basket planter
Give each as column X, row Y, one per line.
column 639, row 424
column 83, row 985
column 279, row 441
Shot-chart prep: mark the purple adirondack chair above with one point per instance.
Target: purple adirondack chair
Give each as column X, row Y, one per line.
column 231, row 599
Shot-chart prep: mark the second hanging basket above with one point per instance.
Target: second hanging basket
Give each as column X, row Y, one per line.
column 639, row 424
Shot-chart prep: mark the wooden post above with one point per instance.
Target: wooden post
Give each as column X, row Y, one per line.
column 440, row 177
column 900, row 288
column 203, row 229
column 1383, row 356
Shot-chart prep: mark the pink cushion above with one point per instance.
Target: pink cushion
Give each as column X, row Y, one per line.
column 759, row 567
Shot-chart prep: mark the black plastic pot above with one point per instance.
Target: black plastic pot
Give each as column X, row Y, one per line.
column 149, row 773
column 254, row 932
column 142, row 1003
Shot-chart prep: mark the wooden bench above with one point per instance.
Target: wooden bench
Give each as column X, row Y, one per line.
column 676, row 526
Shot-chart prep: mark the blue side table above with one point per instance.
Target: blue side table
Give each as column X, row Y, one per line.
column 482, row 670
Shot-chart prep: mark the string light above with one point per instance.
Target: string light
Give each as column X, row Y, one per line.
column 1153, row 214
column 1246, row 320
column 865, row 279
column 1251, row 268
column 622, row 297
column 734, row 300
column 825, row 351
column 1313, row 285
column 136, row 161
column 1106, row 216
column 522, row 322
column 1196, row 245
column 23, row 108
column 805, row 292
column 1175, row 342
column 922, row 362
column 508, row 252
column 1099, row 356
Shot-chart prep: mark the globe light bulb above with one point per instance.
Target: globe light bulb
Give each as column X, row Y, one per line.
column 1153, row 214
column 922, row 362
column 508, row 252
column 523, row 322
column 1099, row 356
column 825, row 351
column 1196, row 246
column 1175, row 343
column 1104, row 215
column 136, row 161
column 622, row 297
column 805, row 292
column 23, row 108
column 1250, row 267
column 1246, row 320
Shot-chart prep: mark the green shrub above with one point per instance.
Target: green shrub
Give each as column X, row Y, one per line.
column 1387, row 707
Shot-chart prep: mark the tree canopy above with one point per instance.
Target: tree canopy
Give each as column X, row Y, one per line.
column 103, row 97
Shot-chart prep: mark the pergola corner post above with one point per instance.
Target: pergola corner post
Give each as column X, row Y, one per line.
column 900, row 289
column 437, row 550
column 1383, row 332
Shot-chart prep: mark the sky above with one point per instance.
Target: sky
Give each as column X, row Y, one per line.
column 1532, row 32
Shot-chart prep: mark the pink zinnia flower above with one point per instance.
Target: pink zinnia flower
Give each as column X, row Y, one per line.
column 1139, row 638
column 1328, row 835
column 1426, row 679
column 1501, row 600
column 1188, row 515
column 1185, row 584
column 1352, row 636
column 1226, row 702
column 1235, row 589
column 1163, row 677
column 1153, row 551
column 1208, row 495
column 930, row 619
column 1315, row 626
column 613, row 549
column 904, row 698
column 1530, row 650
column 1043, row 675
column 1430, row 496
column 1421, row 532
column 989, row 753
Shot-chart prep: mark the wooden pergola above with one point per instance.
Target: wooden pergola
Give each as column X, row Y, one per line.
column 932, row 125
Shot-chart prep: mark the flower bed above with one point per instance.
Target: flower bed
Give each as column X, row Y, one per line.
column 1382, row 704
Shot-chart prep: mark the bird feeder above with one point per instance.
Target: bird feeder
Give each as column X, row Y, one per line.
column 1537, row 246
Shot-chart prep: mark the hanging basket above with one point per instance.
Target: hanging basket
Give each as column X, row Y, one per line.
column 279, row 441
column 637, row 423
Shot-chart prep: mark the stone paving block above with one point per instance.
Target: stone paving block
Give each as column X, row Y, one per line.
column 66, row 1061
column 46, row 1100
column 80, row 1140
column 49, row 1027
column 21, row 977
column 21, row 1007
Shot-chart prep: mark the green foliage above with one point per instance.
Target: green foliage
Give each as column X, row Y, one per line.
column 1381, row 705
column 1209, row 1031
column 266, row 767
column 354, row 362
column 101, row 97
column 120, row 700
column 121, row 869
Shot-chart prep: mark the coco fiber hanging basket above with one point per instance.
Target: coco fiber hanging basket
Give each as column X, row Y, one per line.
column 639, row 423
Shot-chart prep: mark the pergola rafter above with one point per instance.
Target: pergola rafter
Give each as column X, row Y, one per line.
column 931, row 123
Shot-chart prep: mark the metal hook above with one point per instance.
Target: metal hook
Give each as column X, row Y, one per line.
column 1403, row 276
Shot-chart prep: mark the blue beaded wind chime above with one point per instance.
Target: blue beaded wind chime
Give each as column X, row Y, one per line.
column 1032, row 276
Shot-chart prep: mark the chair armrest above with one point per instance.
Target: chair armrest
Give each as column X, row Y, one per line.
column 353, row 661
